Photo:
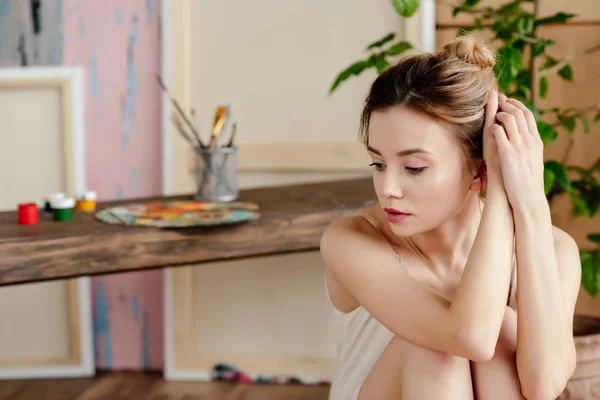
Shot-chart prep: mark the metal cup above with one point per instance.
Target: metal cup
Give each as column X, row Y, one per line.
column 216, row 174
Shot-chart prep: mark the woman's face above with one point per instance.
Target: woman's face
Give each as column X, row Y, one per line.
column 420, row 174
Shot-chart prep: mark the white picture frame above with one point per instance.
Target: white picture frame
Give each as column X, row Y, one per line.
column 69, row 82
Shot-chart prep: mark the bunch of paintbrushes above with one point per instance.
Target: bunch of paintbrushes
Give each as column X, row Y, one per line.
column 191, row 133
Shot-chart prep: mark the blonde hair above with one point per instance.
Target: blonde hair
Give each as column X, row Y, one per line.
column 450, row 86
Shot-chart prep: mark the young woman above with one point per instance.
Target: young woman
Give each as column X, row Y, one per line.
column 424, row 284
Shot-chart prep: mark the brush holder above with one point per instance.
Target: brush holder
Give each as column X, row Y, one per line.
column 216, row 174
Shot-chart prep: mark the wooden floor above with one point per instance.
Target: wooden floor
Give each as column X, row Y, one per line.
column 150, row 386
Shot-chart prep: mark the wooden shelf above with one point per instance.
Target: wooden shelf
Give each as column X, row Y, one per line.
column 293, row 219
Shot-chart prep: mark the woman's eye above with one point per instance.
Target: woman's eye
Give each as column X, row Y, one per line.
column 378, row 166
column 415, row 170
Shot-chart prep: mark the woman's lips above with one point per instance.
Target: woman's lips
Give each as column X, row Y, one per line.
column 394, row 216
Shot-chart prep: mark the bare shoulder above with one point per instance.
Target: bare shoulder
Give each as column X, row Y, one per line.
column 342, row 243
column 348, row 232
column 353, row 228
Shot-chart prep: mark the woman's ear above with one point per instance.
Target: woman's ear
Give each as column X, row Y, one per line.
column 480, row 179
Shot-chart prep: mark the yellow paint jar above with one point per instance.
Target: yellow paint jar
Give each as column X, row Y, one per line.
column 87, row 202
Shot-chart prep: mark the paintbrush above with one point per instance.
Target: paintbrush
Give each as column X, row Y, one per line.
column 221, row 115
column 181, row 112
column 233, row 130
column 182, row 131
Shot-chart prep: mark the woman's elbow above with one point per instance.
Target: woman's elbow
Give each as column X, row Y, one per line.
column 478, row 346
column 548, row 384
column 543, row 389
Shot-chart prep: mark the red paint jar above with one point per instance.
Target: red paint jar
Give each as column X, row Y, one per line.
column 28, row 214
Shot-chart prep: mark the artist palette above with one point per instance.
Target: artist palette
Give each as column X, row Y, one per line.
column 179, row 214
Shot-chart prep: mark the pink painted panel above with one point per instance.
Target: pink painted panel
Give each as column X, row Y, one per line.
column 118, row 42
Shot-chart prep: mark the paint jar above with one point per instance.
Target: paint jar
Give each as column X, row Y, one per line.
column 28, row 214
column 49, row 199
column 87, row 202
column 216, row 174
column 63, row 209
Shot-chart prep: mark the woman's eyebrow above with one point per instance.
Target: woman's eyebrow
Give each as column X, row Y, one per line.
column 401, row 153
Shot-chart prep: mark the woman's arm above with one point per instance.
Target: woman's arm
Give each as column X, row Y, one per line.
column 469, row 326
column 549, row 276
column 549, row 269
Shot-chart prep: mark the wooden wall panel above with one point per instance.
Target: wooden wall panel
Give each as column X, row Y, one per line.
column 587, row 10
column 443, row 11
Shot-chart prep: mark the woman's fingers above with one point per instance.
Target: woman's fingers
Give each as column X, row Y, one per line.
column 491, row 108
column 518, row 115
column 528, row 115
column 509, row 123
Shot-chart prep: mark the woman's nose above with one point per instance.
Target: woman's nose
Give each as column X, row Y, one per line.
column 392, row 186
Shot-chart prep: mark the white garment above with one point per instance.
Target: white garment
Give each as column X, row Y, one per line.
column 360, row 340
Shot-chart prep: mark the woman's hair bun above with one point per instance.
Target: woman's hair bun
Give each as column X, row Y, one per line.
column 472, row 51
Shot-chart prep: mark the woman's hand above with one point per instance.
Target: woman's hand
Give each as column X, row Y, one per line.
column 490, row 148
column 521, row 153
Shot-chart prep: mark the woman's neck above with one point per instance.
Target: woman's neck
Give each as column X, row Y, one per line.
column 446, row 248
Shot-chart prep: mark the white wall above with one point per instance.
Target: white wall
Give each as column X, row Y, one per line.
column 274, row 62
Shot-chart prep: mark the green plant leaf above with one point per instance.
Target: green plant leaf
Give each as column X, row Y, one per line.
column 566, row 73
column 525, row 24
column 543, row 87
column 536, row 113
column 524, row 78
column 548, row 180
column 355, row 69
column 507, row 67
column 586, row 124
column 405, row 8
column 549, row 63
column 590, row 271
column 560, row 175
column 587, row 188
column 382, row 41
column 508, row 9
column 471, row 3
column 398, row 48
column 597, row 116
column 580, row 206
column 569, row 123
column 547, row 132
column 380, row 64
column 464, row 31
column 559, row 17
column 594, row 237
column 538, row 49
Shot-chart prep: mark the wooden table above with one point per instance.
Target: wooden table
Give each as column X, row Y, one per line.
column 293, row 219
